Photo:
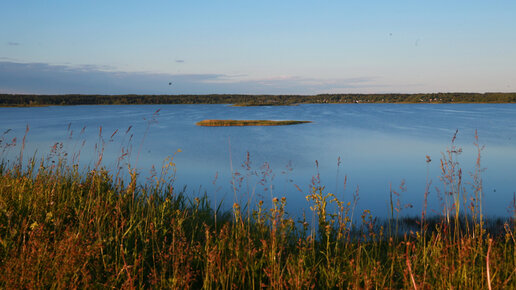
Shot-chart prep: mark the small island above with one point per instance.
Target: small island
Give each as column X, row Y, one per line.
column 265, row 104
column 226, row 123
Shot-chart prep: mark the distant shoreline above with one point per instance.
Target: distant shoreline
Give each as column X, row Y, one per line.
column 27, row 100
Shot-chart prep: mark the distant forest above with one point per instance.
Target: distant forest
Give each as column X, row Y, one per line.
column 10, row 100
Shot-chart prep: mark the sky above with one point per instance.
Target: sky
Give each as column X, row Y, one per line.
column 257, row 47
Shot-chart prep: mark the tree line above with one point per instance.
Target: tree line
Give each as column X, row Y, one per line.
column 7, row 100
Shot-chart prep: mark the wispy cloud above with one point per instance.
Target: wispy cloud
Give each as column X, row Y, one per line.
column 43, row 78
column 180, row 60
column 12, row 43
column 90, row 67
column 295, row 84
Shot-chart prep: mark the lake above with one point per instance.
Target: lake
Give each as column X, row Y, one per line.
column 371, row 146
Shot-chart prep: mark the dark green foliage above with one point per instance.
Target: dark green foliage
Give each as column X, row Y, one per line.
column 252, row 100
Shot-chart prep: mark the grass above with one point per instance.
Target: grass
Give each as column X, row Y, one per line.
column 62, row 227
column 226, row 123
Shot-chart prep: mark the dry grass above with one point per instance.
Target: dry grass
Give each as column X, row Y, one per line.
column 65, row 228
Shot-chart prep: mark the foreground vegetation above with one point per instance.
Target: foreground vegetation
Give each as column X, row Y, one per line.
column 226, row 123
column 61, row 227
column 19, row 100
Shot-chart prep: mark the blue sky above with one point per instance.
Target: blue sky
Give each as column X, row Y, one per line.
column 257, row 47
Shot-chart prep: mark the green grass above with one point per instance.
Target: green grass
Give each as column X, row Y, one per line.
column 61, row 227
column 226, row 123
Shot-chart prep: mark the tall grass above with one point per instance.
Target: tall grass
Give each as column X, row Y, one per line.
column 64, row 227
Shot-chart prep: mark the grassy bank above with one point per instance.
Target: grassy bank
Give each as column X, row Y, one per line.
column 226, row 123
column 61, row 227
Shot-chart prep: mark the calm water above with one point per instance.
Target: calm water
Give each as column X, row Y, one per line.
column 378, row 145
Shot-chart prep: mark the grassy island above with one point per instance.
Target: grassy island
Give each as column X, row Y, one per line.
column 226, row 123
column 254, row 104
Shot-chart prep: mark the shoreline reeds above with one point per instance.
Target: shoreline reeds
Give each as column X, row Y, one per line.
column 63, row 227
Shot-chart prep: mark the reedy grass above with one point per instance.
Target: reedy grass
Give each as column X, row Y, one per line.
column 62, row 227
